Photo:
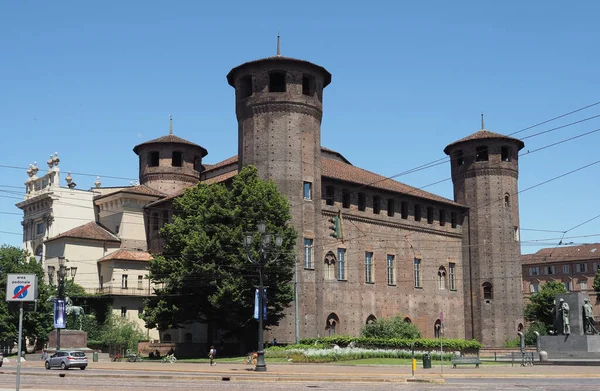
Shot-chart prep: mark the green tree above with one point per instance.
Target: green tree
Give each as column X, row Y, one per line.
column 36, row 324
column 596, row 285
column 541, row 303
column 121, row 333
column 394, row 327
column 204, row 274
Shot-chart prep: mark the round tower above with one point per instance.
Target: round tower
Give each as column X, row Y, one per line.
column 279, row 110
column 169, row 164
column 485, row 175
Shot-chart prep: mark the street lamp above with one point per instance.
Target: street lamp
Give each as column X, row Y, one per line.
column 265, row 250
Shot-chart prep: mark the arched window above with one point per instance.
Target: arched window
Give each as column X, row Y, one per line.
column 331, row 324
column 371, row 319
column 330, row 266
column 187, row 337
column 437, row 328
column 441, row 276
column 506, row 200
column 166, row 337
column 407, row 320
column 520, row 327
column 487, row 291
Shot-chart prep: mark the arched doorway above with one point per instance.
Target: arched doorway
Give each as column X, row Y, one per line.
column 331, row 325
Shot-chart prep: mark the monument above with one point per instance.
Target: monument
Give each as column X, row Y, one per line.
column 69, row 339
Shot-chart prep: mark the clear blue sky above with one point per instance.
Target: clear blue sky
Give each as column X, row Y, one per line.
column 92, row 80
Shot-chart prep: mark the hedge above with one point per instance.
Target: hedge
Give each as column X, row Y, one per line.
column 395, row 343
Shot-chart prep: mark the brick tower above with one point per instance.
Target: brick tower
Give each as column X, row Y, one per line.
column 485, row 174
column 279, row 111
column 169, row 163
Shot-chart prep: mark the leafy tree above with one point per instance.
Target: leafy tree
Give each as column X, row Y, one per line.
column 204, row 274
column 36, row 324
column 596, row 285
column 394, row 327
column 121, row 333
column 541, row 303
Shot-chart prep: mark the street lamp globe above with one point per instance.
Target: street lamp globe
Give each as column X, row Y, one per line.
column 262, row 227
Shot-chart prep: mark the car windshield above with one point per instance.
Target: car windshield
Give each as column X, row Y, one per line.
column 77, row 354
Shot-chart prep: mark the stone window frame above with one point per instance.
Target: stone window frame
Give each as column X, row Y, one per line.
column 441, row 278
column 330, row 266
column 487, row 291
column 341, row 273
column 417, row 273
column 307, row 190
column 452, row 276
column 369, row 267
column 390, row 264
column 309, row 248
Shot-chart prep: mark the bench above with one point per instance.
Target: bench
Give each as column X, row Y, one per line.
column 474, row 360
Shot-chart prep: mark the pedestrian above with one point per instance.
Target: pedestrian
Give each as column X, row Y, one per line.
column 212, row 353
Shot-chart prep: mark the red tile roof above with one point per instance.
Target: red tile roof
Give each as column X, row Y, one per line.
column 221, row 178
column 91, row 231
column 170, row 139
column 326, row 74
column 484, row 135
column 563, row 253
column 138, row 189
column 128, row 255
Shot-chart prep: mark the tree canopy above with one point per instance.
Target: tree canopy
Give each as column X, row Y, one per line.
column 541, row 303
column 596, row 284
column 203, row 274
column 394, row 327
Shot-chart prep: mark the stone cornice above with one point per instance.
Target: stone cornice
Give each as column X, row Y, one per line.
column 282, row 106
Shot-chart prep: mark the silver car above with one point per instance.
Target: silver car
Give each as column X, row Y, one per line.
column 66, row 359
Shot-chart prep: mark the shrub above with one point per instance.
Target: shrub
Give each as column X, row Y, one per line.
column 395, row 343
column 394, row 327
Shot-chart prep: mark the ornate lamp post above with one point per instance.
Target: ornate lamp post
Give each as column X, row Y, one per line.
column 266, row 249
column 61, row 274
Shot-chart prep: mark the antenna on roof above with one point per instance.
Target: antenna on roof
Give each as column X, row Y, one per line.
column 278, row 44
column 170, row 124
column 482, row 125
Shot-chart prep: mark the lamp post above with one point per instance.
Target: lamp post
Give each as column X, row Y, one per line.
column 61, row 274
column 265, row 250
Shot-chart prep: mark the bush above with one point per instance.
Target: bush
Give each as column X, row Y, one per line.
column 395, row 343
column 394, row 327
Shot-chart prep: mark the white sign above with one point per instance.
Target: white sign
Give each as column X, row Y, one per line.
column 21, row 287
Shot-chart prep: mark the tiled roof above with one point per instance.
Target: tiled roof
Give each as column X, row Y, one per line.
column 484, row 135
column 326, row 74
column 231, row 160
column 169, row 198
column 221, row 178
column 170, row 139
column 583, row 252
column 128, row 255
column 92, row 231
column 348, row 173
column 138, row 189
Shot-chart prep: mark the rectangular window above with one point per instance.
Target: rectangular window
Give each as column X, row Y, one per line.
column 368, row 267
column 329, row 195
column 417, row 212
column 583, row 285
column 277, row 82
column 376, row 204
column 566, row 269
column 307, row 192
column 596, row 267
column 517, row 238
column 40, row 229
column 177, row 159
column 124, row 281
column 362, row 201
column 549, row 270
column 582, row 267
column 140, row 282
column 453, row 220
column 534, row 271
column 452, row 276
column 154, row 159
column 481, row 154
column 429, row 215
column 308, row 253
column 391, row 207
column 417, row 273
column 404, row 210
column 533, row 288
column 341, row 264
column 391, row 270
column 346, row 199
column 505, row 154
column 459, row 158
column 123, row 312
column 568, row 286
column 442, row 217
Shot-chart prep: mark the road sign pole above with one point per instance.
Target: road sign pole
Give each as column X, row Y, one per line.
column 19, row 345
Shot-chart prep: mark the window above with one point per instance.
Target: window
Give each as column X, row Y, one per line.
column 331, row 324
column 417, row 271
column 566, row 269
column 568, row 285
column 506, row 200
column 481, row 154
column 40, row 229
column 487, row 291
column 404, row 210
column 442, row 217
column 197, row 163
column 453, row 219
column 140, row 282
column 341, row 264
column 441, row 278
column 362, row 202
column 595, row 270
column 329, row 195
column 346, row 199
column 549, row 270
column 123, row 312
column 153, row 159
column 505, row 154
column 371, row 319
column 516, row 234
column 308, row 253
column 368, row 267
column 307, row 192
column 391, row 270
column 391, row 207
column 534, row 287
column 583, row 285
column 177, row 159
column 124, row 281
column 459, row 158
column 277, row 82
column 429, row 215
column 329, row 266
column 308, row 85
column 582, row 267
column 376, row 204
column 534, row 271
column 245, row 87
column 437, row 328
column 452, row 276
column 417, row 212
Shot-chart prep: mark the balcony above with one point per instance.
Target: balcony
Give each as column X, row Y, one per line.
column 118, row 291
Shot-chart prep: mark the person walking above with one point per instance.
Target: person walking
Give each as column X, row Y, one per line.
column 212, row 353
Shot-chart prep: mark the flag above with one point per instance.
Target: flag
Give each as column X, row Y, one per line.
column 264, row 304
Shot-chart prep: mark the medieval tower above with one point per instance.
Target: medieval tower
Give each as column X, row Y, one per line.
column 485, row 174
column 279, row 111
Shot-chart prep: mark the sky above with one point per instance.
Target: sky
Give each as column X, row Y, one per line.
column 90, row 80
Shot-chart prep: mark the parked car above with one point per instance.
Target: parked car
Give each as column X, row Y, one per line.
column 65, row 359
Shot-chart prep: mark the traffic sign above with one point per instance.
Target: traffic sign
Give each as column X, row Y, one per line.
column 21, row 287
